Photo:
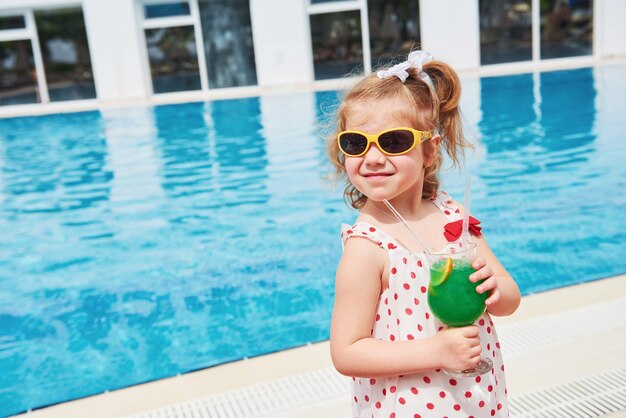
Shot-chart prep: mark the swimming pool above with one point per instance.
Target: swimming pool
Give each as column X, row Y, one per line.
column 141, row 243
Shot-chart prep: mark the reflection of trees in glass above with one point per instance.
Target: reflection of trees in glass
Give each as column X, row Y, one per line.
column 566, row 28
column 65, row 53
column 505, row 31
column 18, row 79
column 337, row 44
column 173, row 59
column 228, row 42
column 394, row 28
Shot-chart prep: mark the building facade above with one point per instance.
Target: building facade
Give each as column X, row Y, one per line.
column 121, row 50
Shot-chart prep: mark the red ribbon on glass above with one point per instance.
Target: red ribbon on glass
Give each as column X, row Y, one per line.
column 452, row 231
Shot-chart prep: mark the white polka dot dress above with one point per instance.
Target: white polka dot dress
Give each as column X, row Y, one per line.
column 402, row 314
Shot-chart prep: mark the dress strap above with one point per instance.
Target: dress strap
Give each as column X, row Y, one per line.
column 365, row 230
column 444, row 203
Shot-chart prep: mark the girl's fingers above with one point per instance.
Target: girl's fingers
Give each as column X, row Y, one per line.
column 487, row 285
column 479, row 263
column 481, row 274
column 495, row 296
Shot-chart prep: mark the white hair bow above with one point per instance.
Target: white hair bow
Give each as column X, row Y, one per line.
column 415, row 60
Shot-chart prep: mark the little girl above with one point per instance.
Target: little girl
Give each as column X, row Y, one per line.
column 391, row 127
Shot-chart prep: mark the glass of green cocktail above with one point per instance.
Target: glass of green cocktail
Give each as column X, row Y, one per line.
column 452, row 297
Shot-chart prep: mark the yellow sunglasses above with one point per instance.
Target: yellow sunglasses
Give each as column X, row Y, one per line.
column 396, row 141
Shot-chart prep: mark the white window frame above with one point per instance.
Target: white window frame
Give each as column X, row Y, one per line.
column 29, row 33
column 348, row 6
column 193, row 19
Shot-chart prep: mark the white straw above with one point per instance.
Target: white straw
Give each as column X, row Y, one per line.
column 466, row 203
column 401, row 219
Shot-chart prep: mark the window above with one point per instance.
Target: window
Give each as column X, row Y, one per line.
column 18, row 79
column 228, row 47
column 505, row 31
column 394, row 29
column 65, row 53
column 173, row 59
column 44, row 56
column 354, row 36
column 566, row 28
column 199, row 44
column 337, row 44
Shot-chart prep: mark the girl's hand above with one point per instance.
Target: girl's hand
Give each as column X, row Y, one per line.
column 490, row 284
column 458, row 348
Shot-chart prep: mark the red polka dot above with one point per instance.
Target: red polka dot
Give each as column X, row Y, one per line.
column 410, row 337
column 457, row 407
column 384, row 392
column 420, row 327
column 395, row 296
column 447, row 212
column 392, row 337
column 367, row 398
column 477, row 379
column 394, row 270
column 498, row 346
column 442, row 394
column 389, row 312
column 481, row 404
column 468, row 394
column 414, row 390
column 430, row 406
column 488, row 330
column 386, row 301
column 489, row 388
column 453, row 382
column 404, row 260
column 488, row 346
column 413, row 275
column 401, row 400
column 372, row 381
column 417, row 416
column 419, row 263
column 406, row 286
column 423, row 289
column 378, row 405
column 378, row 317
column 481, row 322
column 427, row 315
column 392, row 389
column 493, row 412
column 392, row 415
column 416, row 301
column 408, row 311
column 372, row 229
column 398, row 321
column 391, row 246
column 426, row 379
column 356, row 400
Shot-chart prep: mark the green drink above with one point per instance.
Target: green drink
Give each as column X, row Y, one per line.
column 453, row 299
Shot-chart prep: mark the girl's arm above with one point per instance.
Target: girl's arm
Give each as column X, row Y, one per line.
column 356, row 353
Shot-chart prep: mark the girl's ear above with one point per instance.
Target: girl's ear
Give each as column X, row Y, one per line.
column 430, row 150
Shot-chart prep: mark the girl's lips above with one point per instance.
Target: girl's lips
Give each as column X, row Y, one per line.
column 377, row 175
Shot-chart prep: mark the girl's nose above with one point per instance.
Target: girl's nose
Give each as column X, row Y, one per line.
column 374, row 155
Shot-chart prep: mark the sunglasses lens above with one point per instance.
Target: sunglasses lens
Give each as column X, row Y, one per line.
column 396, row 142
column 352, row 143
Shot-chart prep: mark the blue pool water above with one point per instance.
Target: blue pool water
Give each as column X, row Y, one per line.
column 141, row 243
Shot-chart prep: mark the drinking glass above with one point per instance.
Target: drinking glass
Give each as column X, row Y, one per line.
column 452, row 297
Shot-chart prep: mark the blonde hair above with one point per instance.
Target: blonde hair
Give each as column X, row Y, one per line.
column 432, row 110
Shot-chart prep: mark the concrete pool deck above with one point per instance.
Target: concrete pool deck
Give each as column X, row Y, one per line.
column 558, row 336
